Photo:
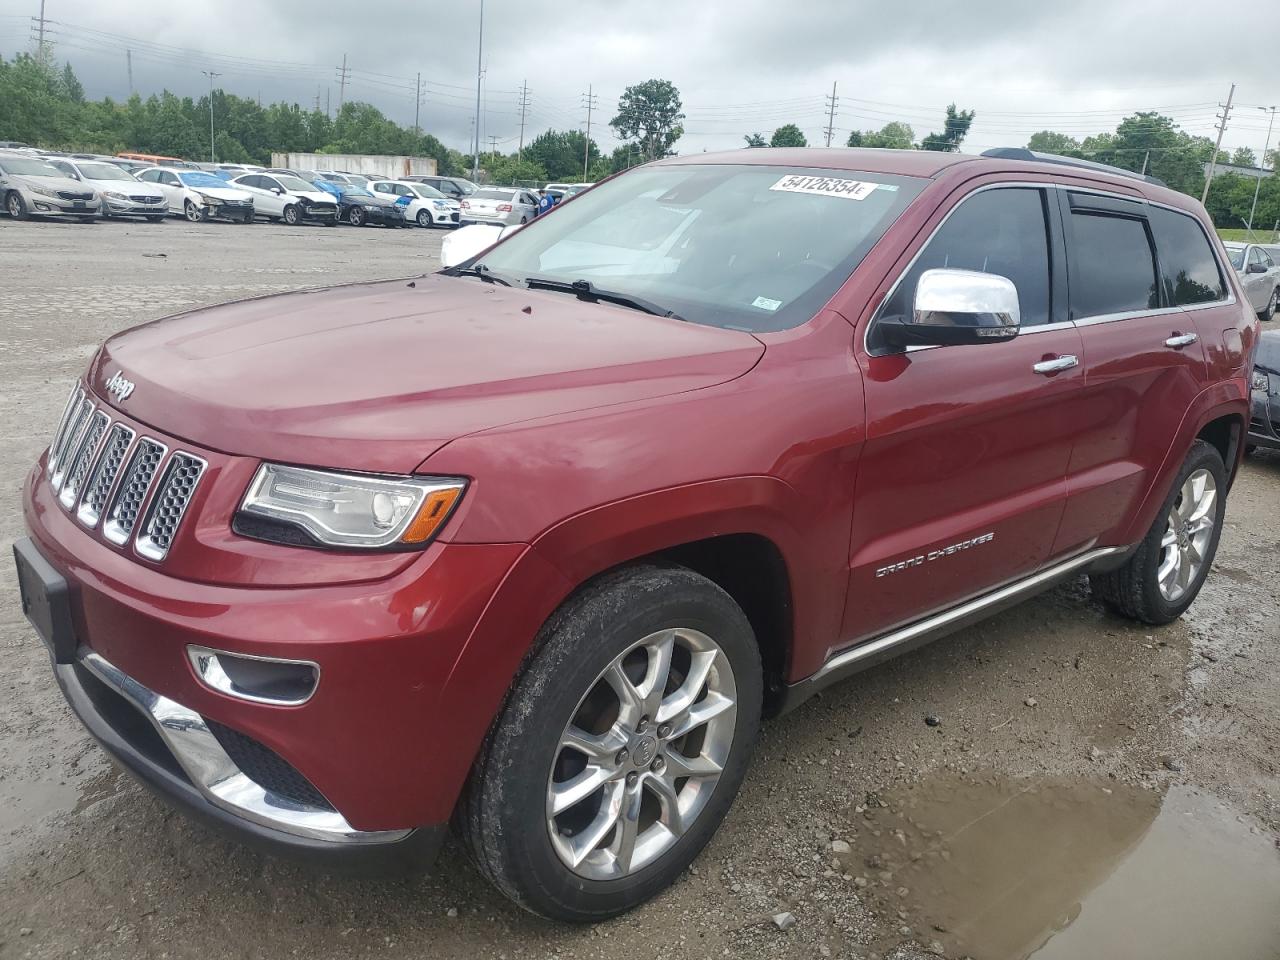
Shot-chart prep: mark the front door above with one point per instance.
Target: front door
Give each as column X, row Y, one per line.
column 961, row 482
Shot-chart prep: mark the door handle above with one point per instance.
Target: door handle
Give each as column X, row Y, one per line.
column 1056, row 365
column 1178, row 341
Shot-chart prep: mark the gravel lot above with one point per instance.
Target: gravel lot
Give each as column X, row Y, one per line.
column 1084, row 775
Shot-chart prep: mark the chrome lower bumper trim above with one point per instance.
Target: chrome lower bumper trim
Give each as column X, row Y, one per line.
column 216, row 776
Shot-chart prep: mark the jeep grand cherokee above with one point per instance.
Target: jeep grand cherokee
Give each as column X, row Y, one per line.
column 531, row 544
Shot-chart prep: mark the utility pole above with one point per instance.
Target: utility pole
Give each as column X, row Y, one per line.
column 40, row 22
column 128, row 65
column 417, row 104
column 831, row 113
column 327, row 112
column 1222, row 128
column 342, row 82
column 317, row 98
column 493, row 145
column 211, row 75
column 524, row 105
column 1257, row 184
column 586, row 147
column 475, row 156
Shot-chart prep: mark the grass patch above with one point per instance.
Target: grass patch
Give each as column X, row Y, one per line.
column 1248, row 236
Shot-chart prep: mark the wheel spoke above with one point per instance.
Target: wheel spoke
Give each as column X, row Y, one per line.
column 1170, row 536
column 573, row 791
column 581, row 844
column 659, row 670
column 1199, row 525
column 628, row 828
column 599, row 747
column 679, row 766
column 665, row 790
column 1193, row 552
column 630, row 699
column 710, row 707
column 1168, row 571
column 1185, row 570
column 684, row 696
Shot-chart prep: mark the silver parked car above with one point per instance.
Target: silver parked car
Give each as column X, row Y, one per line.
column 30, row 186
column 123, row 194
column 1259, row 274
column 498, row 205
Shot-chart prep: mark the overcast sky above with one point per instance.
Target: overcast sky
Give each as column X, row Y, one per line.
column 741, row 65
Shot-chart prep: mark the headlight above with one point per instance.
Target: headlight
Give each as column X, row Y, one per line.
column 44, row 191
column 349, row 510
column 211, row 201
column 1260, row 381
column 113, row 195
column 440, row 204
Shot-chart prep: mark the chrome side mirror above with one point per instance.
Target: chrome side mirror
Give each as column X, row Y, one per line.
column 954, row 307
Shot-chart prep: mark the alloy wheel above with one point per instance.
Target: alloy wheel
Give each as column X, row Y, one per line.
column 1187, row 534
column 15, row 206
column 641, row 755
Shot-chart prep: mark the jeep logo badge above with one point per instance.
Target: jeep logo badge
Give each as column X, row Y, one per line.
column 119, row 387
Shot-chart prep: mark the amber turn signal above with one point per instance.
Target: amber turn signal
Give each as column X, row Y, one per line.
column 432, row 514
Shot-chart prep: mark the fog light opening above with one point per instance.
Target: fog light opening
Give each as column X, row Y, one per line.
column 272, row 680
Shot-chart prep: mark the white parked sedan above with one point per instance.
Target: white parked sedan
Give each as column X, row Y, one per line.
column 123, row 195
column 289, row 199
column 198, row 196
column 423, row 205
column 501, row 206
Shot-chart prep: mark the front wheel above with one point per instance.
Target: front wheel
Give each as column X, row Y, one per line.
column 621, row 747
column 16, row 206
column 424, row 218
column 356, row 217
column 1165, row 573
column 291, row 215
column 192, row 212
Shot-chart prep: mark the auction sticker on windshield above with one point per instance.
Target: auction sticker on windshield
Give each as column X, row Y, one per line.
column 825, row 186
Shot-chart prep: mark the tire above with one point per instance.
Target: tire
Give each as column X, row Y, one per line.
column 1271, row 307
column 16, row 206
column 356, row 217
column 290, row 215
column 192, row 212
column 1250, row 449
column 612, row 625
column 424, row 219
column 1135, row 590
column 523, row 221
column 249, row 218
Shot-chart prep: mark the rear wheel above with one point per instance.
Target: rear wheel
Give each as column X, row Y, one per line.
column 192, row 212
column 621, row 748
column 16, row 206
column 1272, row 305
column 1159, row 582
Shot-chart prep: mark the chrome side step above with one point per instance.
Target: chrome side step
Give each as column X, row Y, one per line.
column 870, row 652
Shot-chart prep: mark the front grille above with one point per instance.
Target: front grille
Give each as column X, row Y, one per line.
column 64, row 424
column 140, row 199
column 74, row 195
column 267, row 768
column 83, row 458
column 104, row 475
column 142, row 468
column 169, row 504
column 68, row 441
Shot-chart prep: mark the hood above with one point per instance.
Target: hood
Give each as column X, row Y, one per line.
column 222, row 193
column 136, row 188
column 377, row 377
column 52, row 183
column 315, row 196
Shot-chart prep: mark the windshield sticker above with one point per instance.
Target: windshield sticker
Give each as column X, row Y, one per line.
column 825, row 186
column 764, row 303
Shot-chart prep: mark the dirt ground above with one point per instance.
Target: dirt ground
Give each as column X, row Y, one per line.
column 1089, row 785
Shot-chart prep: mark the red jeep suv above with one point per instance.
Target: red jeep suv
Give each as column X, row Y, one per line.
column 531, row 544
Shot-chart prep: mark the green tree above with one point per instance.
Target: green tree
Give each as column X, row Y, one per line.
column 788, row 135
column 755, row 140
column 560, row 153
column 892, row 136
column 1244, row 157
column 71, row 87
column 954, row 129
column 1050, row 141
column 649, row 113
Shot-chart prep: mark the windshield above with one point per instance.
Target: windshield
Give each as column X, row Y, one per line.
column 102, row 171
column 357, row 178
column 201, row 179
column 26, row 167
column 355, row 191
column 466, row 186
column 294, row 183
column 748, row 247
column 431, row 193
column 1237, row 257
column 506, row 195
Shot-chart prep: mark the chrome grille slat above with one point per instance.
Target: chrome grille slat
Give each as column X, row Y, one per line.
column 104, row 475
column 122, row 516
column 69, row 441
column 84, row 457
column 73, row 403
column 173, row 494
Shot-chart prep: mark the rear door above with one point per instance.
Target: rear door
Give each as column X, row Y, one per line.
column 962, row 479
column 1144, row 359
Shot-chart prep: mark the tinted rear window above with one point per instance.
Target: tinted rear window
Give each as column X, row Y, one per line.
column 1187, row 262
column 1112, row 269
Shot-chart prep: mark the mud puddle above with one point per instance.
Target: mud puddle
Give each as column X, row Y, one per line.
column 1058, row 869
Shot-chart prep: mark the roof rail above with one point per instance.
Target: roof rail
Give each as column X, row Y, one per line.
column 1022, row 153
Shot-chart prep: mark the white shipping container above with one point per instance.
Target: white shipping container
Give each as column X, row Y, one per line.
column 370, row 165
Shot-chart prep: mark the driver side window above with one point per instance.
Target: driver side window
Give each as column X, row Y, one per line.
column 1002, row 231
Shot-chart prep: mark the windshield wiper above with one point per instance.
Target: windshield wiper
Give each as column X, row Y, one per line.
column 478, row 270
column 586, row 290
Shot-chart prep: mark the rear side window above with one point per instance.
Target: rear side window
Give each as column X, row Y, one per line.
column 1112, row 269
column 995, row 231
column 1190, row 270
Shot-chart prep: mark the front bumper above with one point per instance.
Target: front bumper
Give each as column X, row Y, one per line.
column 43, row 206
column 1264, row 420
column 131, row 208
